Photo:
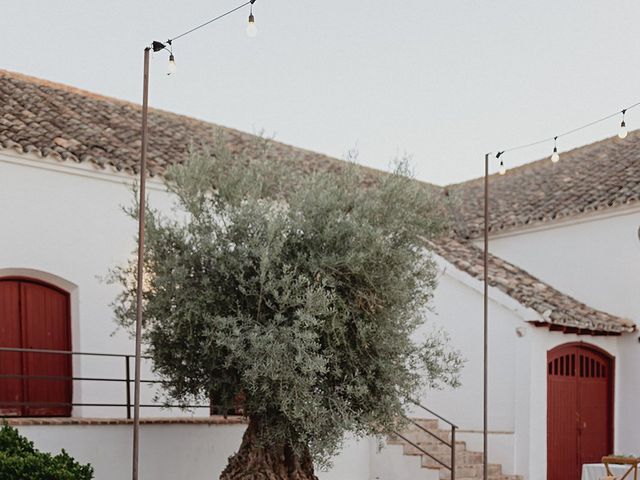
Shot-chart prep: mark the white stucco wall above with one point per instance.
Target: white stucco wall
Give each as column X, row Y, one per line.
column 596, row 259
column 517, row 375
column 197, row 452
column 541, row 341
column 628, row 396
column 458, row 308
column 63, row 223
column 170, row 452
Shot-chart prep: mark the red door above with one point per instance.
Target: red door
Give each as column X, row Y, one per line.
column 579, row 409
column 34, row 316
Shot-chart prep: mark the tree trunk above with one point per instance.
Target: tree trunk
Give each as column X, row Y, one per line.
column 252, row 462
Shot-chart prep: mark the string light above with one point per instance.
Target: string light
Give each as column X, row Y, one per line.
column 250, row 2
column 252, row 30
column 172, row 66
column 172, row 60
column 502, row 170
column 623, row 127
column 555, row 156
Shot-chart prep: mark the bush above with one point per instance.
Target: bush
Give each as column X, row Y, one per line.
column 19, row 460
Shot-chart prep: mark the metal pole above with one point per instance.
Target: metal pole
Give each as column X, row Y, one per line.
column 453, row 452
column 485, row 469
column 141, row 212
column 127, row 373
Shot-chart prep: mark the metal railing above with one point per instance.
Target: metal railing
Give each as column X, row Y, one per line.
column 448, row 443
column 127, row 380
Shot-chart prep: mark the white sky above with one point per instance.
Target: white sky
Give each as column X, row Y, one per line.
column 444, row 81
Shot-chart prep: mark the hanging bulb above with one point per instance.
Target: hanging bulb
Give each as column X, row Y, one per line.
column 172, row 65
column 623, row 130
column 555, row 156
column 502, row 170
column 252, row 30
column 623, row 127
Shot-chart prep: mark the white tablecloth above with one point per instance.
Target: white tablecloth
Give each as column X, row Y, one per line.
column 596, row 471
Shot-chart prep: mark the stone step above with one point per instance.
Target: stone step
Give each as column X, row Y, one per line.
column 421, row 437
column 468, row 464
column 462, row 458
column 472, row 471
column 428, row 423
column 432, row 427
column 414, row 433
column 440, row 451
column 493, row 477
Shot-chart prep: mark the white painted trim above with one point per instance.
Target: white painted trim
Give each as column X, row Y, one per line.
column 576, row 219
column 525, row 313
column 82, row 169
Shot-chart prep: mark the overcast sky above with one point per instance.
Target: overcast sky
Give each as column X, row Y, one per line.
column 442, row 81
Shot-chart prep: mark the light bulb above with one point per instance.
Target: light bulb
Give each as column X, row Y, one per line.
column 172, row 65
column 503, row 169
column 623, row 130
column 555, row 157
column 252, row 30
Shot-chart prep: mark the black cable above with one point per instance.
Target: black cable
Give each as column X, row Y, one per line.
column 510, row 149
column 569, row 132
column 250, row 2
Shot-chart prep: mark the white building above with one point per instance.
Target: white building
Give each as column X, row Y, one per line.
column 564, row 300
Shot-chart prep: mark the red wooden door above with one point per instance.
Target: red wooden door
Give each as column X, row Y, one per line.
column 579, row 409
column 10, row 337
column 40, row 321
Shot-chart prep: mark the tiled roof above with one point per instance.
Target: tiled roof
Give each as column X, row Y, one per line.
column 559, row 311
column 66, row 123
column 595, row 177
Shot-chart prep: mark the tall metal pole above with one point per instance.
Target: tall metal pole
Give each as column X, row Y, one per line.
column 485, row 470
column 140, row 280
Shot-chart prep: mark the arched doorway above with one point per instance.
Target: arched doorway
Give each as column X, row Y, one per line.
column 34, row 315
column 579, row 409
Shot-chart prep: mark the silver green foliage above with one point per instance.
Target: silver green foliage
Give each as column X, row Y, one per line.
column 302, row 291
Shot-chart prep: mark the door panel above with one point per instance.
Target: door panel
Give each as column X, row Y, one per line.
column 10, row 337
column 579, row 409
column 562, row 393
column 594, row 426
column 34, row 315
column 45, row 326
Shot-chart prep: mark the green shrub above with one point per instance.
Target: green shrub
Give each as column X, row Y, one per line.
column 19, row 460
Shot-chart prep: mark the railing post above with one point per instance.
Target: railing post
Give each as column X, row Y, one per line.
column 453, row 452
column 128, row 381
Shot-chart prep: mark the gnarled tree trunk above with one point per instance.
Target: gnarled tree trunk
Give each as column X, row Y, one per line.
column 253, row 462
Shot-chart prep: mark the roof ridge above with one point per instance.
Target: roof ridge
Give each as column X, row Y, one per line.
column 555, row 306
column 178, row 116
column 62, row 86
column 541, row 161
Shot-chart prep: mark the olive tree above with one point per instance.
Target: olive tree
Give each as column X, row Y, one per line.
column 299, row 292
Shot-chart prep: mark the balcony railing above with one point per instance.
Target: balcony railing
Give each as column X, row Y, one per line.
column 125, row 380
column 127, row 405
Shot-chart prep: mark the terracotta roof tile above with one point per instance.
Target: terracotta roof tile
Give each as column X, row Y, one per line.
column 66, row 123
column 557, row 308
column 592, row 178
